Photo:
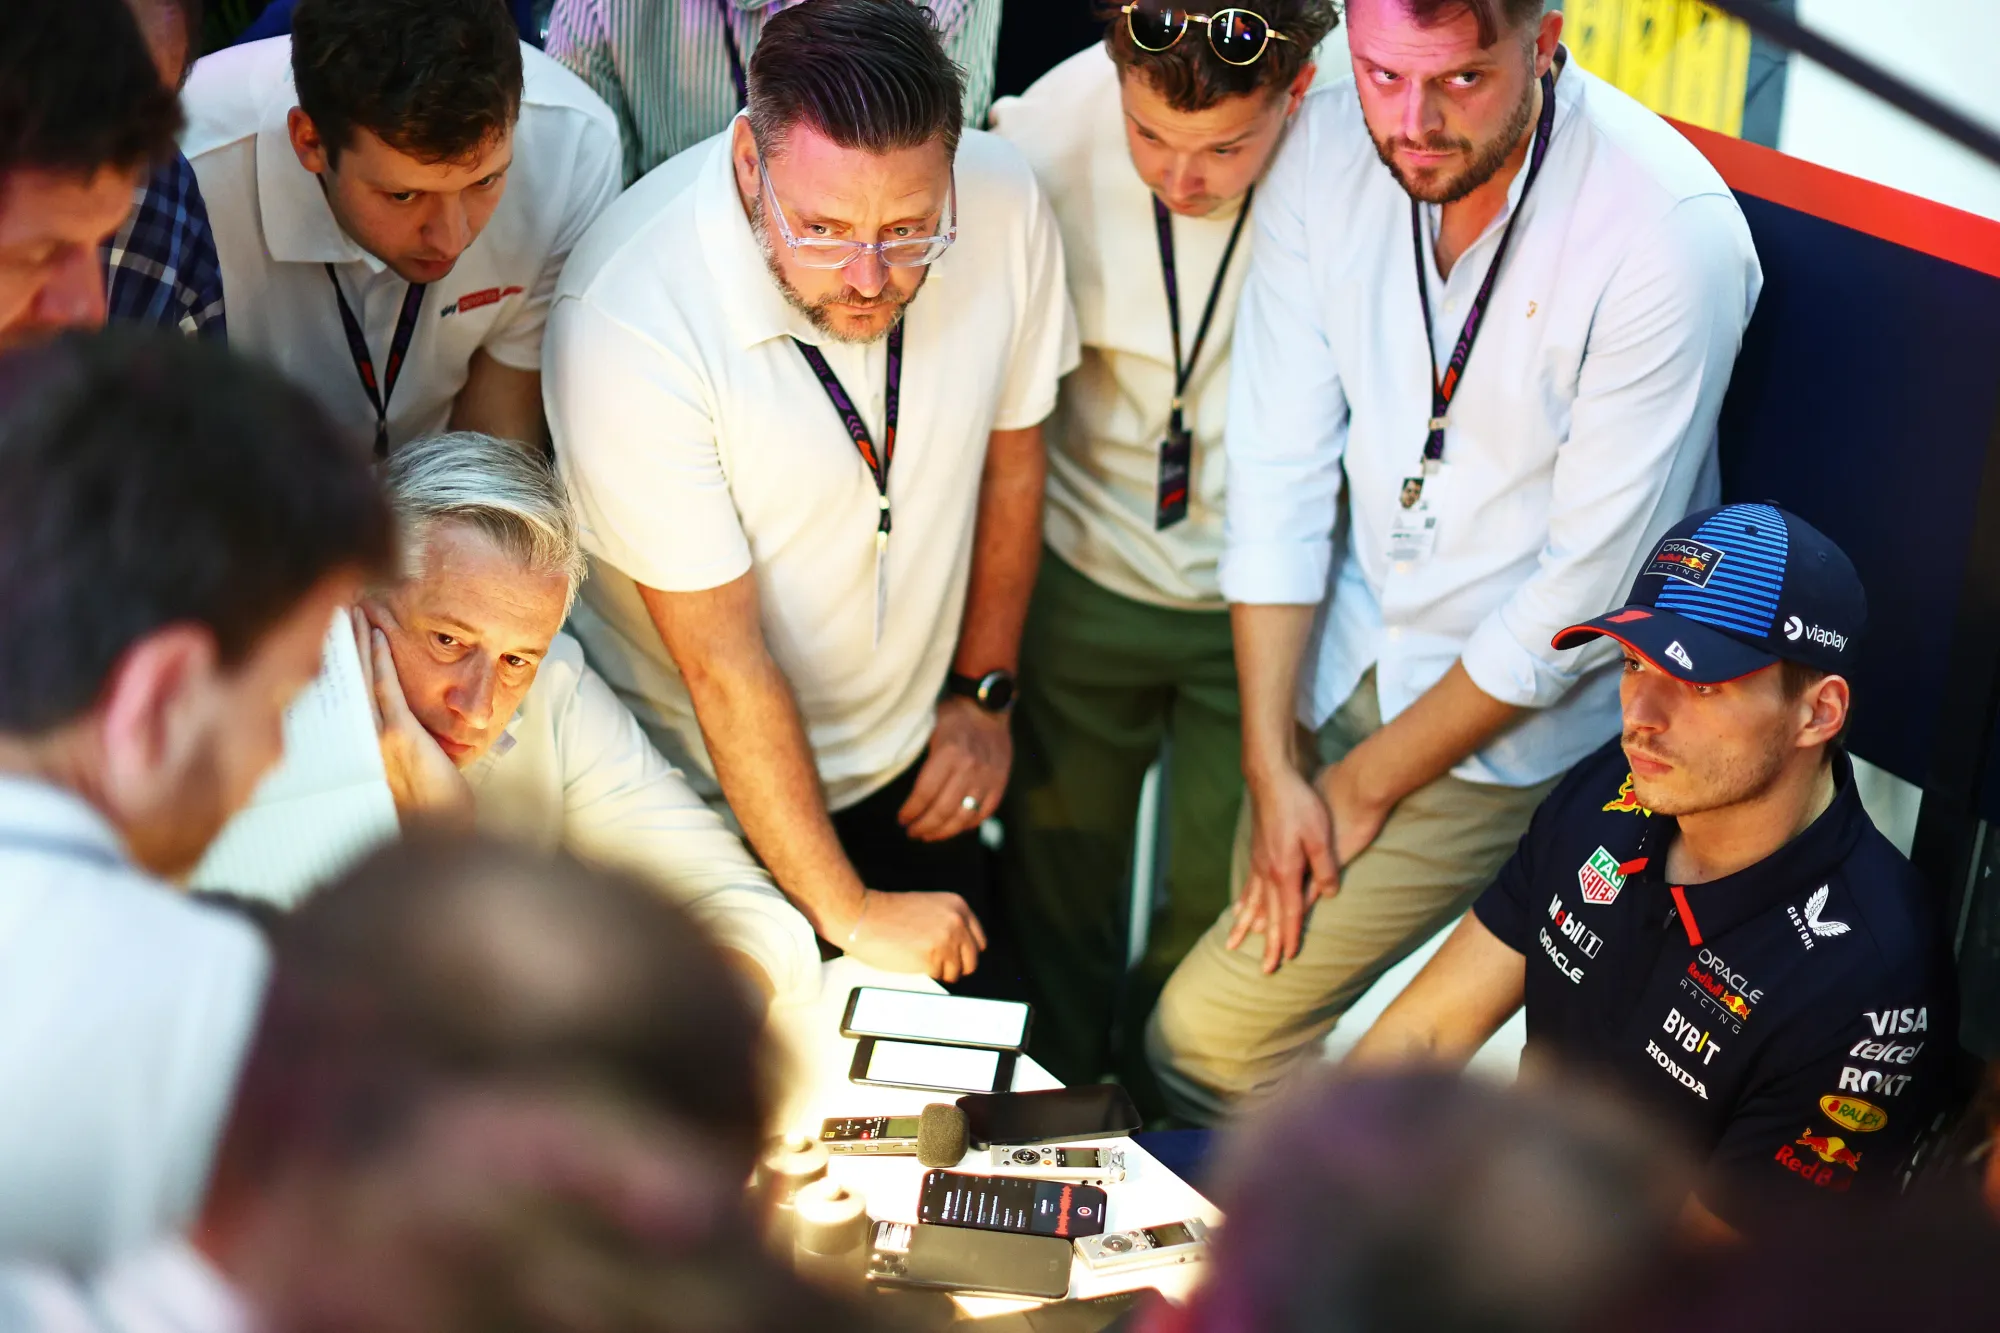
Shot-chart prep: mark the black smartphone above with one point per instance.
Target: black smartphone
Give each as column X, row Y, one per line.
column 1011, row 1203
column 980, row 1263
column 1087, row 1111
column 916, row 1064
column 949, row 1020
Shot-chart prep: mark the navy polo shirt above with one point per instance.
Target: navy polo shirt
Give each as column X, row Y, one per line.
column 1795, row 1019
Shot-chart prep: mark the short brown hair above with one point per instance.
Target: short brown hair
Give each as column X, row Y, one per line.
column 1494, row 16
column 868, row 74
column 1193, row 78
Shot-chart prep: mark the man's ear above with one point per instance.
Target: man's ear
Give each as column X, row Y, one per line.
column 1301, row 85
column 1829, row 700
column 1547, row 38
column 151, row 706
column 743, row 155
column 311, row 149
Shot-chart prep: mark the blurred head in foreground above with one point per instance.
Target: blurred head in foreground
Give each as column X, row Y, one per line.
column 1427, row 1203
column 177, row 527
column 83, row 116
column 497, row 1091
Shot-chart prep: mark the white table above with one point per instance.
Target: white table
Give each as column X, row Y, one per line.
column 817, row 1088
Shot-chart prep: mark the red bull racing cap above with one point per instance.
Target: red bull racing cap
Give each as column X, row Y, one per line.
column 1733, row 590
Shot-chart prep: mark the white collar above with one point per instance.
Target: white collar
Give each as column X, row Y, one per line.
column 753, row 303
column 299, row 227
column 41, row 816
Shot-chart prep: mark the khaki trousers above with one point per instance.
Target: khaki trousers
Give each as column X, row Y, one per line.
column 1223, row 1031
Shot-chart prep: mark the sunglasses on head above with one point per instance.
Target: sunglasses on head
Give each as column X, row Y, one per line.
column 1237, row 36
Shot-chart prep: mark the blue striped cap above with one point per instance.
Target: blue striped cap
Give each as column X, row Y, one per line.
column 1732, row 590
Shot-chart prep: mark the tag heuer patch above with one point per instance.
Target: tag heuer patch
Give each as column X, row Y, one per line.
column 1599, row 879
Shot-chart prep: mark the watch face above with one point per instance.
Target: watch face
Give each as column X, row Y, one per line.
column 996, row 691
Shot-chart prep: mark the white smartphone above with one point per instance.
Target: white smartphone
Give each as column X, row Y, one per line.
column 909, row 1064
column 950, row 1020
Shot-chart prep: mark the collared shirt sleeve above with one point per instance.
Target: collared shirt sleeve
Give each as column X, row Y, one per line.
column 1287, row 422
column 1815, row 1130
column 161, row 266
column 595, row 180
column 1045, row 343
column 579, row 41
column 625, row 804
column 1650, row 391
column 635, row 439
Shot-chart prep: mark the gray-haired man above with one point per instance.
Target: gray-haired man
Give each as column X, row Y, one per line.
column 488, row 714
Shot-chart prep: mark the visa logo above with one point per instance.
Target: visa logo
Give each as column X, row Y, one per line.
column 1899, row 1022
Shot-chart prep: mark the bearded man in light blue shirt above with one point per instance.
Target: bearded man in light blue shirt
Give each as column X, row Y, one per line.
column 1469, row 392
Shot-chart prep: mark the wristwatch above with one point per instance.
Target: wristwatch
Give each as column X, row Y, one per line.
column 993, row 692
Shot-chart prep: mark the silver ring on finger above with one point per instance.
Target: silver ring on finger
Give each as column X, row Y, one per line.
column 970, row 805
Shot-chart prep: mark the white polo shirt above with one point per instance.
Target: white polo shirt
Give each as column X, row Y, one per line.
column 275, row 235
column 1584, row 426
column 573, row 767
column 125, row 1011
column 1104, row 440
column 698, row 446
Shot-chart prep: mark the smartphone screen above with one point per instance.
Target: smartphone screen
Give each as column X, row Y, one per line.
column 1012, row 1203
column 952, row 1068
column 1088, row 1111
column 873, row 1011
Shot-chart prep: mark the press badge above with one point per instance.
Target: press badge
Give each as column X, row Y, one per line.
column 1176, row 459
column 1413, row 522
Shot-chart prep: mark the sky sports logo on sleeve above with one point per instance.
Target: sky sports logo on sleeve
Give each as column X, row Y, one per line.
column 1796, row 629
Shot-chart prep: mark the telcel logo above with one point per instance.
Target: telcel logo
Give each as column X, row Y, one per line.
column 1796, row 629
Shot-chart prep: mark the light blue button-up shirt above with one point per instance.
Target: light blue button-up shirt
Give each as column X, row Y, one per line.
column 1583, row 428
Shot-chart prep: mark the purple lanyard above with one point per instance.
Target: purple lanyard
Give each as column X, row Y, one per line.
column 364, row 365
column 857, row 429
column 1163, row 223
column 1444, row 387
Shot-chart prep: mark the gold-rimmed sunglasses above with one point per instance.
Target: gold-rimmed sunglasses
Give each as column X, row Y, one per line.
column 1237, row 36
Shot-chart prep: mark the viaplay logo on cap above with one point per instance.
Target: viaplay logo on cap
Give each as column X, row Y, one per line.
column 1796, row 629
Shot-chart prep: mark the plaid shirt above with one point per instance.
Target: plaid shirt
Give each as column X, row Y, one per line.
column 161, row 267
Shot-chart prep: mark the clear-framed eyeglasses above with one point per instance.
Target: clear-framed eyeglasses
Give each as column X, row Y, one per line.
column 832, row 252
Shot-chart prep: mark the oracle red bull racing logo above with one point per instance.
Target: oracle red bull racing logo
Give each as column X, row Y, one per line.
column 1816, row 1165
column 1626, row 802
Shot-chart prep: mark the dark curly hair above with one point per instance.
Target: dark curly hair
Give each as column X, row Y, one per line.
column 79, row 90
column 1193, row 78
column 436, row 79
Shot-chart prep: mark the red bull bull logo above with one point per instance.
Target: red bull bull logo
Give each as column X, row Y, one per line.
column 1831, row 1149
column 1626, row 802
column 1816, row 1165
column 1718, row 990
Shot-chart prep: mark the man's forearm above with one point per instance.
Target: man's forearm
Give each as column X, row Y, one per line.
column 1270, row 642
column 1006, row 552
column 757, row 742
column 1449, row 721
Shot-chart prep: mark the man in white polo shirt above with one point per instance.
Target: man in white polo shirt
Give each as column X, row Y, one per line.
column 796, row 378
column 1150, row 159
column 1493, row 305
column 488, row 715
column 394, row 189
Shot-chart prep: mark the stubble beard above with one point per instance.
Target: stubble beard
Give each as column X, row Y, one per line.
column 816, row 312
column 1709, row 783
column 1486, row 160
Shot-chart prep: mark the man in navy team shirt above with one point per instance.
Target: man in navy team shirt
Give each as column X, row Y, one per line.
column 1703, row 912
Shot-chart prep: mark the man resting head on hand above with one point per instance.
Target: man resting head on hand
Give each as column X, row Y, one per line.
column 488, row 715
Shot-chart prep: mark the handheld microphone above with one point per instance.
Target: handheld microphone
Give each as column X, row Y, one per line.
column 935, row 1138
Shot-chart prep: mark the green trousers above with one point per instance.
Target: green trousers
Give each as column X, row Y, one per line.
column 1104, row 680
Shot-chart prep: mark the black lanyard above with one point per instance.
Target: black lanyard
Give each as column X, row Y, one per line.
column 1177, row 449
column 857, row 429
column 735, row 55
column 1444, row 387
column 364, row 365
column 1163, row 222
